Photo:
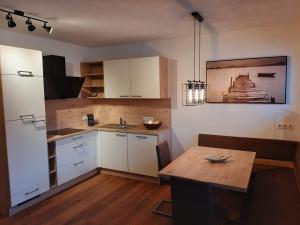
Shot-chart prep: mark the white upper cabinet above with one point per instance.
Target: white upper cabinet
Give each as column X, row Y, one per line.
column 20, row 61
column 136, row 78
column 145, row 77
column 117, row 78
column 23, row 97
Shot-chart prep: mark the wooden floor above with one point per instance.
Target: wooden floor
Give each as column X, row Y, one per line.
column 101, row 200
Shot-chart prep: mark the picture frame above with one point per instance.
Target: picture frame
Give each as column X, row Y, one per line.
column 260, row 80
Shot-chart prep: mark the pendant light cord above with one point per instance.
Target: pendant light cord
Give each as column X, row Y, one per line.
column 194, row 49
column 199, row 47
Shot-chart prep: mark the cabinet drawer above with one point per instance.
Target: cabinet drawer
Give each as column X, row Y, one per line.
column 29, row 193
column 76, row 151
column 70, row 171
column 14, row 60
column 75, row 139
column 23, row 97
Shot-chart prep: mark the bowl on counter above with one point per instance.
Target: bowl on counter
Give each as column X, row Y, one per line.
column 152, row 125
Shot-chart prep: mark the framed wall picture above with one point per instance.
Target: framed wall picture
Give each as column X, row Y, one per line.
column 253, row 80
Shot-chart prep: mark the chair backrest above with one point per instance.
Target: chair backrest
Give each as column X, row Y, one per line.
column 264, row 148
column 163, row 155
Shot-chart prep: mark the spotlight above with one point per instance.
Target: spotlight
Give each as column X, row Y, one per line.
column 48, row 28
column 30, row 27
column 10, row 21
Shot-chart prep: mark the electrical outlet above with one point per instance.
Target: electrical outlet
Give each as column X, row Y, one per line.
column 285, row 126
column 84, row 117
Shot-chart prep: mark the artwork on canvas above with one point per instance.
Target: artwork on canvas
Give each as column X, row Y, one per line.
column 255, row 80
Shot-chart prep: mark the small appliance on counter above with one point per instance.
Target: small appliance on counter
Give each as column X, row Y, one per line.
column 90, row 120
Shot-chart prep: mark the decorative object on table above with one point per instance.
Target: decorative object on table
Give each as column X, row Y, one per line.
column 217, row 159
column 253, row 80
column 11, row 23
column 193, row 91
column 152, row 124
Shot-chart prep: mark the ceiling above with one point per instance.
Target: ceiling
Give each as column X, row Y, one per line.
column 109, row 22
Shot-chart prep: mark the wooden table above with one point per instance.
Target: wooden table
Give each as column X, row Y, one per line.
column 192, row 177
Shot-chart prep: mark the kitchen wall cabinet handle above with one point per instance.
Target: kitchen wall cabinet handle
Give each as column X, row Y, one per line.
column 77, row 138
column 22, row 117
column 136, row 96
column 78, row 163
column 36, row 121
column 78, row 146
column 121, row 135
column 25, row 73
column 141, row 137
column 124, row 96
column 30, row 192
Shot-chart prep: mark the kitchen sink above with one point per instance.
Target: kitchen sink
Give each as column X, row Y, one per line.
column 65, row 131
column 118, row 126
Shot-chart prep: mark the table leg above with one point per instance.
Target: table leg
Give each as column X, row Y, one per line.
column 191, row 203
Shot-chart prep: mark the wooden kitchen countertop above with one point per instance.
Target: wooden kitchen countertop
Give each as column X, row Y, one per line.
column 135, row 130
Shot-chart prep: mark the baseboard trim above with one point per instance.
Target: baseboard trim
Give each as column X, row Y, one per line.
column 149, row 179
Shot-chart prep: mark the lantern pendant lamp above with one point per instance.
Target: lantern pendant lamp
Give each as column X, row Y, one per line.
column 194, row 91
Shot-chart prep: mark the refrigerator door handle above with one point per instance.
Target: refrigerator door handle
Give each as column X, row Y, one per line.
column 28, row 116
column 25, row 73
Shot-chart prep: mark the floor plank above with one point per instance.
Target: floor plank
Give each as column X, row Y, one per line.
column 101, row 200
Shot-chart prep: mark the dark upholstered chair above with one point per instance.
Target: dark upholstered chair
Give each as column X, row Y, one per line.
column 163, row 158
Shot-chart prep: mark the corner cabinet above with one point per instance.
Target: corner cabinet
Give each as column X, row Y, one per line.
column 136, row 78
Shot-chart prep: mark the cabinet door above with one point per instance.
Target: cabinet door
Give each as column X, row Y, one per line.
column 142, row 158
column 116, row 79
column 145, row 77
column 27, row 158
column 20, row 60
column 22, row 96
column 114, row 151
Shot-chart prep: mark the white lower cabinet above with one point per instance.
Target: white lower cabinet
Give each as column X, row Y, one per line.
column 142, row 158
column 27, row 159
column 114, row 151
column 76, row 156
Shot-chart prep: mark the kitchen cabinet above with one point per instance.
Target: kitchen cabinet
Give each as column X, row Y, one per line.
column 114, row 150
column 136, row 78
column 27, row 159
column 22, row 114
column 142, row 158
column 117, row 78
column 76, row 156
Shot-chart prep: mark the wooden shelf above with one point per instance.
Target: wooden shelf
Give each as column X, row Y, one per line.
column 52, row 171
column 52, row 156
column 94, row 82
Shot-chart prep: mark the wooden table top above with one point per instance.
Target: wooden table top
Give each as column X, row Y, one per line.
column 234, row 174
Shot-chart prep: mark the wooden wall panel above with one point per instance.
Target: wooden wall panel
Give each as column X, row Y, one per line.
column 110, row 110
column 67, row 113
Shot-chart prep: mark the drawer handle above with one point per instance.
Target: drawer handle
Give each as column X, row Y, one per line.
column 141, row 137
column 36, row 121
column 25, row 73
column 121, row 135
column 78, row 163
column 77, row 138
column 136, row 96
column 31, row 192
column 22, row 117
column 124, row 96
column 78, row 146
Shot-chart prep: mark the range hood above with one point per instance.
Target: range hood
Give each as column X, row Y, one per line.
column 56, row 84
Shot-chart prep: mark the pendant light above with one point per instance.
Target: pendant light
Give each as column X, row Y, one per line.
column 193, row 91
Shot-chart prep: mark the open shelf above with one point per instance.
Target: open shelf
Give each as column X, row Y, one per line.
column 94, row 79
column 52, row 164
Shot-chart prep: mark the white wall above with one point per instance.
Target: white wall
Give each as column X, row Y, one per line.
column 74, row 54
column 231, row 119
